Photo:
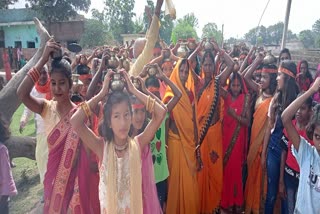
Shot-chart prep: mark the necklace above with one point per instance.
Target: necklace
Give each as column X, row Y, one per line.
column 266, row 95
column 120, row 148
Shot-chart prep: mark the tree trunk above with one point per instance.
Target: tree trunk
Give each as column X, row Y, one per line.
column 21, row 147
column 9, row 101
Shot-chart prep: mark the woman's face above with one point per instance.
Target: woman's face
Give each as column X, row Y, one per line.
column 303, row 114
column 265, row 80
column 235, row 88
column 257, row 77
column 316, row 137
column 284, row 56
column 138, row 118
column 183, row 73
column 280, row 80
column 60, row 86
column 167, row 69
column 83, row 60
column 121, row 120
column 303, row 68
column 208, row 67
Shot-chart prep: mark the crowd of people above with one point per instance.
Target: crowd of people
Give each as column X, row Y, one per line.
column 150, row 128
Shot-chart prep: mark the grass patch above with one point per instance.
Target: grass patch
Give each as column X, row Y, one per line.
column 25, row 173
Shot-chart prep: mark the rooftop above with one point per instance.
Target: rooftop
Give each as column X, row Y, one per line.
column 17, row 15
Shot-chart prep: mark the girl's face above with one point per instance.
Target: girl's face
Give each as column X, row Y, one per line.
column 265, row 81
column 183, row 73
column 303, row 114
column 83, row 60
column 167, row 69
column 280, row 80
column 120, row 120
column 284, row 56
column 235, row 87
column 208, row 67
column 138, row 118
column 60, row 86
column 316, row 137
column 257, row 77
column 303, row 68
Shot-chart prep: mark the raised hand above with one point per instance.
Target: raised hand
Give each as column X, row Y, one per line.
column 51, row 46
column 129, row 85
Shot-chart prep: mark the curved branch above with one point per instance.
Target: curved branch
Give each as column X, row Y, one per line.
column 9, row 101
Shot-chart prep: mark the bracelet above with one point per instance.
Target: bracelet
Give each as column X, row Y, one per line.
column 85, row 107
column 148, row 103
column 34, row 74
column 151, row 109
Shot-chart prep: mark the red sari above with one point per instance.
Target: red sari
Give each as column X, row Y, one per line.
column 67, row 185
column 232, row 192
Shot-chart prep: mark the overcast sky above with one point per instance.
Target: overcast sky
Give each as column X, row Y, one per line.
column 237, row 16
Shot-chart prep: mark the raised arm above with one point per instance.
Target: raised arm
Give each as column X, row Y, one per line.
column 248, row 76
column 229, row 62
column 158, row 112
column 244, row 65
column 290, row 111
column 35, row 104
column 88, row 137
column 176, row 91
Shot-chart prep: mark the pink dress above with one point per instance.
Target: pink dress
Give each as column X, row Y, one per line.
column 7, row 185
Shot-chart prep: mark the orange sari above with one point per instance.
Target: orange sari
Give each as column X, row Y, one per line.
column 210, row 177
column 255, row 185
column 182, row 182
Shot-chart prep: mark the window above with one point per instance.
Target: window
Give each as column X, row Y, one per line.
column 17, row 44
column 31, row 45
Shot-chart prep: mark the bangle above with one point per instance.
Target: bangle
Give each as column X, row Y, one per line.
column 85, row 107
column 151, row 110
column 34, row 74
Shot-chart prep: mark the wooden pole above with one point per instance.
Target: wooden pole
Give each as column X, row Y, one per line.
column 286, row 23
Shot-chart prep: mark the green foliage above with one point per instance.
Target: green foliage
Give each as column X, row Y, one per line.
column 5, row 3
column 59, row 10
column 316, row 27
column 190, row 19
column 183, row 31
column 166, row 28
column 138, row 25
column 119, row 14
column 210, row 30
column 307, row 38
column 95, row 34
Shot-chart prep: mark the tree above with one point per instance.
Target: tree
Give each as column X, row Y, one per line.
column 95, row 29
column 275, row 32
column 307, row 38
column 138, row 25
column 5, row 3
column 59, row 10
column 210, row 30
column 316, row 27
column 183, row 30
column 9, row 101
column 119, row 14
column 190, row 19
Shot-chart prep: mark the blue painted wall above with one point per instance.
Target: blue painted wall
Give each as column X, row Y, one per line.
column 23, row 33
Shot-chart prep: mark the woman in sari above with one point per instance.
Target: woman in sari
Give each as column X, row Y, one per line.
column 255, row 189
column 209, row 146
column 66, row 187
column 183, row 196
column 235, row 129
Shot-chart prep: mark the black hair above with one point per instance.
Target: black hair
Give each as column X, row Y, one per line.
column 315, row 121
column 208, row 54
column 308, row 74
column 62, row 65
column 4, row 131
column 284, row 50
column 114, row 98
column 152, row 81
column 233, row 77
column 290, row 91
column 273, row 77
column 134, row 99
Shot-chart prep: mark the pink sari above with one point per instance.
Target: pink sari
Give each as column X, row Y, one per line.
column 66, row 184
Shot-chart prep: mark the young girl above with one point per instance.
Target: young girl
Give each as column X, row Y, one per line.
column 66, row 184
column 290, row 172
column 234, row 131
column 254, row 190
column 307, row 155
column 7, row 185
column 304, row 77
column 273, row 149
column 119, row 155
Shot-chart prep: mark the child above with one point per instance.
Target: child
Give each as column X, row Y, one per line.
column 119, row 155
column 290, row 172
column 7, row 185
column 234, row 131
column 307, row 155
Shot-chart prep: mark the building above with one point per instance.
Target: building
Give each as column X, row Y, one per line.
column 17, row 29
